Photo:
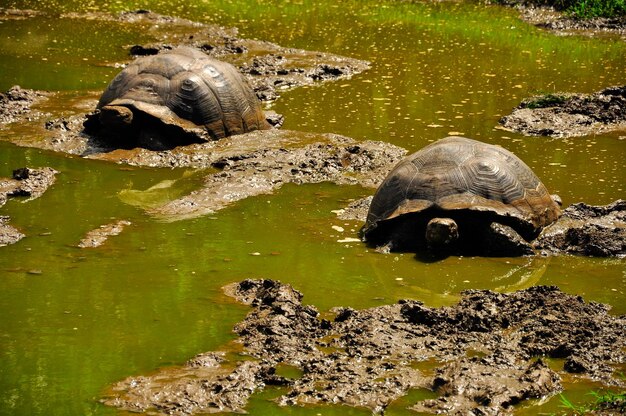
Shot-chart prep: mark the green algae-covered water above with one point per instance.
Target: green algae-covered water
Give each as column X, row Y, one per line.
column 74, row 321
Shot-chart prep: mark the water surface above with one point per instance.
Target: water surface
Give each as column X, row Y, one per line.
column 74, row 321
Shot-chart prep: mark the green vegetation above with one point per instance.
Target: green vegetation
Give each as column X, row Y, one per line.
column 581, row 9
column 585, row 9
column 544, row 101
column 603, row 401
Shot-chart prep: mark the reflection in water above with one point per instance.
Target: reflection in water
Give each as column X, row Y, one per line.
column 151, row 296
column 152, row 197
column 523, row 276
column 161, row 192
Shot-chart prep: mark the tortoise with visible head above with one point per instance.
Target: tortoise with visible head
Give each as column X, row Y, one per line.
column 176, row 97
column 459, row 195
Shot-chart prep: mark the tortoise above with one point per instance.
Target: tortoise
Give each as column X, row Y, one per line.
column 460, row 195
column 177, row 97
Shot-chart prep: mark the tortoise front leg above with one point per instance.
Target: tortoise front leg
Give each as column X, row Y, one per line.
column 116, row 117
column 503, row 241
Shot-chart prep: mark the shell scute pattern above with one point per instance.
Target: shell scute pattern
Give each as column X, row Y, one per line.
column 463, row 175
column 186, row 85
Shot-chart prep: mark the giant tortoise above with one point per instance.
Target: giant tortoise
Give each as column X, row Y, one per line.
column 458, row 195
column 177, row 97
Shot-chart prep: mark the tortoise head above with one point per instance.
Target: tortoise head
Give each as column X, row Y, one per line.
column 441, row 234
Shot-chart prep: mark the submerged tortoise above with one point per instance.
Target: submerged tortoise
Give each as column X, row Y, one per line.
column 177, row 97
column 462, row 196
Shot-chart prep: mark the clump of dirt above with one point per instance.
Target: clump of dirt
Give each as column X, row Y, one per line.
column 588, row 230
column 16, row 103
column 282, row 68
column 25, row 182
column 479, row 356
column 8, row 233
column 204, row 386
column 564, row 25
column 568, row 115
column 471, row 386
column 97, row 237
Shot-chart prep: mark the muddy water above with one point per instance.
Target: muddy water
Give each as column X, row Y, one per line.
column 76, row 320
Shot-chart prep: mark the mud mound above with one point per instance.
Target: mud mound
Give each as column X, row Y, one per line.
column 588, row 230
column 568, row 115
column 8, row 234
column 564, row 25
column 478, row 356
column 16, row 103
column 25, row 182
column 261, row 162
column 99, row 236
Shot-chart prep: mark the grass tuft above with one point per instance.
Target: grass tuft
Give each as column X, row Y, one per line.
column 607, row 400
column 581, row 9
column 584, row 9
column 544, row 101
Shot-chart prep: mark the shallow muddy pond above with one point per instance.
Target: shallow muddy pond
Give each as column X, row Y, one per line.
column 76, row 320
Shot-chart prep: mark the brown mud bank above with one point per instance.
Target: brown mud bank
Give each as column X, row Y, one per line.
column 587, row 230
column 561, row 24
column 484, row 355
column 26, row 183
column 261, row 162
column 570, row 115
column 234, row 168
column 99, row 236
column 16, row 103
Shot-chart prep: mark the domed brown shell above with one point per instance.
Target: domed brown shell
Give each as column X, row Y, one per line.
column 185, row 87
column 457, row 175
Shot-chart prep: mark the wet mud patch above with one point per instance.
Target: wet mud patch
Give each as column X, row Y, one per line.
column 570, row 115
column 25, row 183
column 483, row 355
column 17, row 102
column 17, row 14
column 261, row 162
column 564, row 25
column 99, row 236
column 8, row 233
column 561, row 24
column 587, row 230
column 356, row 210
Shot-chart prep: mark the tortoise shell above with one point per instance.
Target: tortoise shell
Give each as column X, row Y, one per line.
column 184, row 87
column 462, row 178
